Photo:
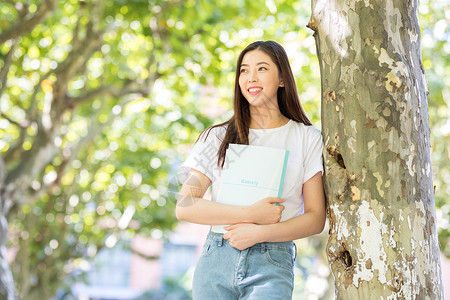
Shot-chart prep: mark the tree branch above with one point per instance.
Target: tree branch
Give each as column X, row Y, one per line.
column 76, row 32
column 20, row 125
column 28, row 22
column 75, row 62
column 16, row 148
column 6, row 65
column 41, row 153
column 131, row 87
column 2, row 174
column 71, row 152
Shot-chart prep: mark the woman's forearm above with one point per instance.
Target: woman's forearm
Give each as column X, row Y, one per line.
column 307, row 224
column 202, row 211
column 302, row 226
column 244, row 235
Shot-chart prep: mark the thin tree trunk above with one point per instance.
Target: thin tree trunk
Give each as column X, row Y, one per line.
column 7, row 291
column 6, row 280
column 383, row 239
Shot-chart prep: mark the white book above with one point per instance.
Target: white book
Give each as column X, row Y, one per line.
column 250, row 174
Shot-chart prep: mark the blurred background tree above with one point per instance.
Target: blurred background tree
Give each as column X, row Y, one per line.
column 101, row 100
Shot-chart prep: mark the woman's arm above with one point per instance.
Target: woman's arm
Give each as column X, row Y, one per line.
column 191, row 206
column 242, row 236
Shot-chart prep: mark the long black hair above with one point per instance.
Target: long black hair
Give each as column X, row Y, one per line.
column 287, row 97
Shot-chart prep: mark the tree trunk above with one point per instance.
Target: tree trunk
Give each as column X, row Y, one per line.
column 6, row 280
column 383, row 240
column 7, row 291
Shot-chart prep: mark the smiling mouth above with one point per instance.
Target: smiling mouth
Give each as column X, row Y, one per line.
column 254, row 91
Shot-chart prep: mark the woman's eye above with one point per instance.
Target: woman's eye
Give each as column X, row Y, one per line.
column 262, row 68
column 243, row 70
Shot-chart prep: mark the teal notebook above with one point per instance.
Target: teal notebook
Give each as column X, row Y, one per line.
column 250, row 174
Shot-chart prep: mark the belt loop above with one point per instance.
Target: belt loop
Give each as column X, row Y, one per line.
column 263, row 247
column 220, row 241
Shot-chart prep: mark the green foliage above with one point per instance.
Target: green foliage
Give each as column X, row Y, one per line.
column 118, row 155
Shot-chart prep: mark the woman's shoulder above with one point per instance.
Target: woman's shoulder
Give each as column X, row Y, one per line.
column 215, row 132
column 307, row 130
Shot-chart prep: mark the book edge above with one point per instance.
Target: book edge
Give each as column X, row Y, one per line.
column 283, row 173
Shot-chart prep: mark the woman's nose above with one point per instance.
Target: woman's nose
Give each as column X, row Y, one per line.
column 252, row 77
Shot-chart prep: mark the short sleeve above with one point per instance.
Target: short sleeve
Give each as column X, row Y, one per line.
column 203, row 156
column 313, row 160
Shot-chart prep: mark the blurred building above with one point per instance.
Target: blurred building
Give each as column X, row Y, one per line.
column 146, row 268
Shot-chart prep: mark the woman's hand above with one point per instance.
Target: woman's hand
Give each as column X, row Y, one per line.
column 243, row 235
column 266, row 211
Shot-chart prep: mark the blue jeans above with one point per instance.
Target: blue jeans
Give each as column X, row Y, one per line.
column 263, row 271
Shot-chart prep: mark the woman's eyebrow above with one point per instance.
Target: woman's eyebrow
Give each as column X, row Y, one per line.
column 260, row 63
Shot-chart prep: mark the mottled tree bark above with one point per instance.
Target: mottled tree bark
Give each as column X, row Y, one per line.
column 6, row 280
column 383, row 239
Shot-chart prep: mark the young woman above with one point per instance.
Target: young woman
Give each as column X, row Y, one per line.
column 254, row 259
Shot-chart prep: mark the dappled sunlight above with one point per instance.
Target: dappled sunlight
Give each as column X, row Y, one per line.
column 335, row 27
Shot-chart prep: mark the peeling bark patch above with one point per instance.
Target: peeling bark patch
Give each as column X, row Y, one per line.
column 332, row 95
column 351, row 144
column 379, row 183
column 392, row 80
column 369, row 264
column 398, row 71
column 353, row 124
column 356, row 193
column 341, row 224
column 373, row 248
column 336, row 154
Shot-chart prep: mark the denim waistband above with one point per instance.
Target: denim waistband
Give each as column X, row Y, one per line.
column 287, row 246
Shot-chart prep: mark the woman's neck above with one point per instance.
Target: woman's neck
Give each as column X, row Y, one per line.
column 265, row 118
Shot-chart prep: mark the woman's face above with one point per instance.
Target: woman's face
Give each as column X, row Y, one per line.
column 259, row 78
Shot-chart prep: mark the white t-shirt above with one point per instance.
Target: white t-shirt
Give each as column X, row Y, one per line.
column 305, row 158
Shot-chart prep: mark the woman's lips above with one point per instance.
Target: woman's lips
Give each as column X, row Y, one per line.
column 254, row 90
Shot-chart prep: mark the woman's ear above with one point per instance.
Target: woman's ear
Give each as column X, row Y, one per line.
column 281, row 83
